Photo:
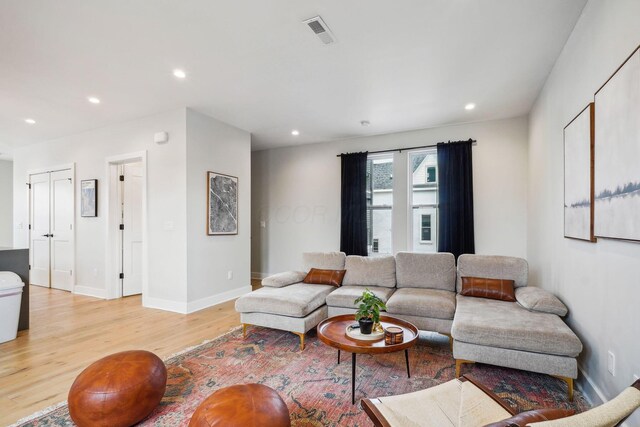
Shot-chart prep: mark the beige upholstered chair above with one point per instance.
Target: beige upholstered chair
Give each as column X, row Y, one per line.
column 464, row 402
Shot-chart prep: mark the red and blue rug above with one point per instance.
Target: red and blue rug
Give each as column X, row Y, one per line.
column 315, row 387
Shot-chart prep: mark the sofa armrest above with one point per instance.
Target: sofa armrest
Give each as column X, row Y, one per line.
column 538, row 299
column 284, row 279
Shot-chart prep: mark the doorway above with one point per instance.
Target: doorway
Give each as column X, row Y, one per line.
column 130, row 199
column 51, row 228
column 126, row 264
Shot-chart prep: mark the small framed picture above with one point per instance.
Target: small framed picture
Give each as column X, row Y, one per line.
column 89, row 198
column 222, row 204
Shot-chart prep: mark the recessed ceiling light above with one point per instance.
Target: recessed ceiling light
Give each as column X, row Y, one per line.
column 30, row 121
column 470, row 106
column 180, row 74
column 93, row 100
column 295, row 132
column 365, row 123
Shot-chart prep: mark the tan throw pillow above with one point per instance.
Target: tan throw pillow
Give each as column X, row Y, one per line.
column 537, row 415
column 500, row 289
column 325, row 277
column 538, row 299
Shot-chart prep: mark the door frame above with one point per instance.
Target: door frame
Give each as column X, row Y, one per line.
column 49, row 169
column 112, row 261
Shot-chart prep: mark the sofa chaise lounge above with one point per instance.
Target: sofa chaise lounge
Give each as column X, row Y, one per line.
column 425, row 289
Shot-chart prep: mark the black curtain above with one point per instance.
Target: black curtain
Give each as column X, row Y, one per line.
column 455, row 198
column 353, row 213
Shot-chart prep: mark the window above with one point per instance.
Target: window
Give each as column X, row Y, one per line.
column 379, row 203
column 425, row 229
column 431, row 174
column 423, row 200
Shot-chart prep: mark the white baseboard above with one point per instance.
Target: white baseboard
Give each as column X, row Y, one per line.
column 90, row 291
column 203, row 303
column 589, row 388
column 164, row 304
column 257, row 275
column 193, row 306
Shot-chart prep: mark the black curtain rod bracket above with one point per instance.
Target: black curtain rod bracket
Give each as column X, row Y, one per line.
column 400, row 150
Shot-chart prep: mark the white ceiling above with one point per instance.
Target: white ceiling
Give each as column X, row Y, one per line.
column 399, row 64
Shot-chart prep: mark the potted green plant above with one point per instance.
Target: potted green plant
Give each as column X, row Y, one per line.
column 368, row 312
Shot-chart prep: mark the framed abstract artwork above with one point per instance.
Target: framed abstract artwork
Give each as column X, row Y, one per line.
column 617, row 153
column 222, row 204
column 89, row 198
column 578, row 176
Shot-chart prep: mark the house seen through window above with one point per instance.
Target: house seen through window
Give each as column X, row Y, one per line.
column 379, row 203
column 423, row 171
column 422, row 206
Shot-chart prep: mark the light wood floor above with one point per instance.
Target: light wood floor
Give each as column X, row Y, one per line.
column 68, row 332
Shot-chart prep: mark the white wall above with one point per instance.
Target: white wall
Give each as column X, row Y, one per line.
column 296, row 192
column 599, row 282
column 6, row 203
column 215, row 146
column 166, row 197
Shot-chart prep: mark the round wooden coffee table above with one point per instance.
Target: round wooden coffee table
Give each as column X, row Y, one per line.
column 332, row 332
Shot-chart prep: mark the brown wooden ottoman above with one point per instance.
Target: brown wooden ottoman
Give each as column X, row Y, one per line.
column 243, row 405
column 118, row 390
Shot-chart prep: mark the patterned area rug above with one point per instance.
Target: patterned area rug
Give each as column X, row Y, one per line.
column 315, row 387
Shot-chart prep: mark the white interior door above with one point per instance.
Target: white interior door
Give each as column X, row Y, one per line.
column 61, row 230
column 51, row 238
column 39, row 234
column 132, row 234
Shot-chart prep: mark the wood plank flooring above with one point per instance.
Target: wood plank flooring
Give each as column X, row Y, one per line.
column 68, row 332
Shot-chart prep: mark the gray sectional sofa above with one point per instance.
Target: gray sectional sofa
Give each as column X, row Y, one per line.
column 424, row 289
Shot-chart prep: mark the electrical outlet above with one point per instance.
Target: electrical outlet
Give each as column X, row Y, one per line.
column 229, row 274
column 263, row 224
column 611, row 363
column 95, row 272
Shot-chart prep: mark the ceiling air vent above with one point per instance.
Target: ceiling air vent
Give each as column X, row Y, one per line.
column 320, row 29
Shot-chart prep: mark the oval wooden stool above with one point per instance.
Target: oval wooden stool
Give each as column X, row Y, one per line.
column 243, row 405
column 118, row 390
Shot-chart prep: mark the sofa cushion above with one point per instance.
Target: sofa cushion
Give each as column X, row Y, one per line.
column 297, row 300
column 434, row 303
column 283, row 279
column 537, row 299
column 345, row 295
column 325, row 277
column 507, row 325
column 492, row 267
column 323, row 260
column 480, row 287
column 432, row 271
column 370, row 271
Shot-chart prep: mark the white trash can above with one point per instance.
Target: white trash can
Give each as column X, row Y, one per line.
column 10, row 298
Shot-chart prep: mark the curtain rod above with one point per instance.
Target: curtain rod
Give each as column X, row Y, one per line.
column 473, row 142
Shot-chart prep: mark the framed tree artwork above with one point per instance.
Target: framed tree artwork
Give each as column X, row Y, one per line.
column 578, row 176
column 89, row 198
column 617, row 153
column 222, row 204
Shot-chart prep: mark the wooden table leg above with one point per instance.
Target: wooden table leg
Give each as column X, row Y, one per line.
column 353, row 378
column 338, row 356
column 406, row 357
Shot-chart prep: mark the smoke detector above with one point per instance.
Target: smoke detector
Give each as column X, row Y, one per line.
column 320, row 29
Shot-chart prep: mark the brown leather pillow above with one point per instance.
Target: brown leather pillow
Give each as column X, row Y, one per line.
column 534, row 416
column 325, row 277
column 500, row 289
